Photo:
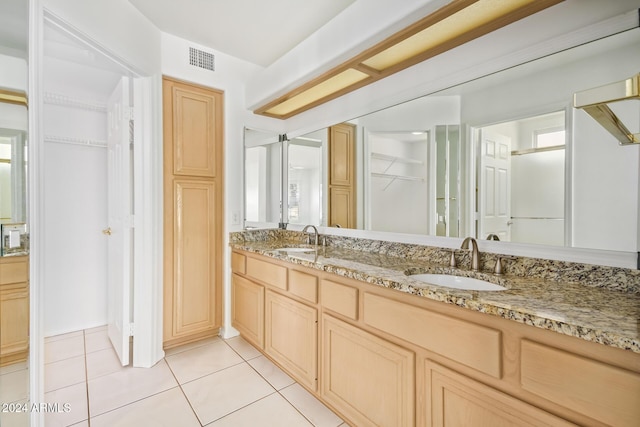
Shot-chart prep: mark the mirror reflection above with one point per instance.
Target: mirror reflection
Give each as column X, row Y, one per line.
column 263, row 178
column 14, row 286
column 505, row 157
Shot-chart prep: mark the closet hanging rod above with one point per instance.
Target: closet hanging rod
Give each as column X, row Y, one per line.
column 75, row 141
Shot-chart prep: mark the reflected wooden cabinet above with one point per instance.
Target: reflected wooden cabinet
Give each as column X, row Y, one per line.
column 342, row 176
column 291, row 331
column 14, row 309
column 367, row 378
column 193, row 211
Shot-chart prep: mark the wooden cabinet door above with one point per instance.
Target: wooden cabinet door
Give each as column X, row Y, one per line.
column 247, row 313
column 368, row 379
column 195, row 128
column 14, row 322
column 341, row 207
column 193, row 211
column 454, row 400
column 341, row 154
column 291, row 337
column 342, row 176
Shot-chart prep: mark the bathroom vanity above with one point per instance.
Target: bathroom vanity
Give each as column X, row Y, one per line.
column 380, row 348
column 14, row 309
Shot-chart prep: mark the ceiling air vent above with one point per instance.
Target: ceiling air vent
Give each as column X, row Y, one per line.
column 202, row 59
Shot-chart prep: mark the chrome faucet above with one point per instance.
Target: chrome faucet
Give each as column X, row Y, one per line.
column 475, row 256
column 315, row 231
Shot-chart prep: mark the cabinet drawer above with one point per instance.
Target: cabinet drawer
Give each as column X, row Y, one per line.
column 340, row 298
column 576, row 383
column 14, row 272
column 238, row 263
column 303, row 285
column 266, row 272
column 472, row 345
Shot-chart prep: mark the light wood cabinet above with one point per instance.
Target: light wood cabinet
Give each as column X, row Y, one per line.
column 454, row 400
column 247, row 311
column 365, row 377
column 193, row 211
column 291, row 336
column 14, row 309
column 342, row 175
column 383, row 357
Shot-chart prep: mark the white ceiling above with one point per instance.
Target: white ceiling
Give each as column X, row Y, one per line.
column 258, row 31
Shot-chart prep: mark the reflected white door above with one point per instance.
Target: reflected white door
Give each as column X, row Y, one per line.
column 119, row 217
column 494, row 199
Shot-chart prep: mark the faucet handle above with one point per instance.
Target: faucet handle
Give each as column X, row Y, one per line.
column 498, row 268
column 452, row 260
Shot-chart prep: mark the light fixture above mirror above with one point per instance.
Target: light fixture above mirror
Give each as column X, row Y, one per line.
column 456, row 23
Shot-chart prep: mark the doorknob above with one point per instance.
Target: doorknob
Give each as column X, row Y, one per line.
column 107, row 231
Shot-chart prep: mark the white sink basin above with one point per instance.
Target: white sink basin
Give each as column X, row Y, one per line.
column 298, row 250
column 457, row 282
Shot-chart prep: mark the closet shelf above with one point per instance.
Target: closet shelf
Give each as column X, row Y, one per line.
column 380, row 156
column 67, row 101
column 401, row 177
column 75, row 141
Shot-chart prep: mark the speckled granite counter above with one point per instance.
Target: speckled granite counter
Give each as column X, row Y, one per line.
column 597, row 304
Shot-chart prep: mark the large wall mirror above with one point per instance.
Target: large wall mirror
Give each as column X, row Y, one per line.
column 14, row 304
column 504, row 157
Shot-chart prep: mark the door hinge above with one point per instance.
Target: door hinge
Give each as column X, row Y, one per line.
column 127, row 113
column 131, row 329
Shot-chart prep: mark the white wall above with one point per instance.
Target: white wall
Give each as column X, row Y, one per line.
column 75, row 203
column 13, row 76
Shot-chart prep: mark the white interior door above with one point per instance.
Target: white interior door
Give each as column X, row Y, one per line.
column 120, row 220
column 494, row 200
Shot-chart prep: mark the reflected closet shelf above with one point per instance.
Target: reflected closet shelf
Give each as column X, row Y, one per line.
column 380, row 156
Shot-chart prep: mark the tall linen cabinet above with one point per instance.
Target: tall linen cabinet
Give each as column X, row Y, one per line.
column 193, row 211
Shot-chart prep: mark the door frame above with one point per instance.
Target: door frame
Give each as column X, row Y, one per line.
column 147, row 189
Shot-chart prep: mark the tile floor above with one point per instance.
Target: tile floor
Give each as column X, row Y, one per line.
column 212, row 383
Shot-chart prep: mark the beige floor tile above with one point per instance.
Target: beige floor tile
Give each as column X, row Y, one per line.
column 64, row 373
column 272, row 411
column 97, row 341
column 13, row 367
column 314, row 410
column 169, row 408
column 14, row 386
column 120, row 388
column 270, row 372
column 75, row 397
column 15, row 418
column 81, row 424
column 96, row 329
column 191, row 345
column 219, row 394
column 63, row 336
column 200, row 361
column 102, row 362
column 66, row 348
column 243, row 348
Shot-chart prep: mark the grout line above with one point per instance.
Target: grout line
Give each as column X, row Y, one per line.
column 240, row 409
column 183, row 393
column 86, row 377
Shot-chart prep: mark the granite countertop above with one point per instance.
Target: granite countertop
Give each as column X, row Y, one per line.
column 597, row 314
